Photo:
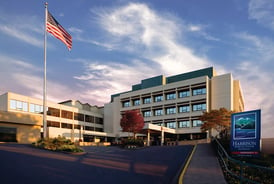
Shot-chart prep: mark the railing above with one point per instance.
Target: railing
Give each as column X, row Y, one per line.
column 236, row 171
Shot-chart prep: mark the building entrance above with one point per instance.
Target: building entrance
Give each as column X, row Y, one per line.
column 8, row 134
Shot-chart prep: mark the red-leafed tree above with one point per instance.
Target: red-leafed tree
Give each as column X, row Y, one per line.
column 132, row 121
column 220, row 120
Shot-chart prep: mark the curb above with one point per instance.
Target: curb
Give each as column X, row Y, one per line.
column 181, row 177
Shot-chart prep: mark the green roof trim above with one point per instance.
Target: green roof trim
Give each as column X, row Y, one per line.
column 185, row 76
column 160, row 80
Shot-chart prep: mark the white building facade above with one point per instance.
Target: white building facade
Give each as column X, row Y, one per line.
column 176, row 102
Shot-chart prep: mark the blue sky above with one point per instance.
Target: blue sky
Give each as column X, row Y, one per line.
column 118, row 43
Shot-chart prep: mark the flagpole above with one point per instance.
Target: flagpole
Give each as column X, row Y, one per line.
column 45, row 76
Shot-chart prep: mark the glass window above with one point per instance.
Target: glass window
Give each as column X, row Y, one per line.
column 77, row 127
column 35, row 108
column 147, row 113
column 19, row 105
column 66, row 125
column 171, row 110
column 184, row 108
column 199, row 91
column 136, row 102
column 89, row 119
column 12, row 104
column 53, row 124
column 79, row 117
column 196, row 123
column 184, row 124
column 66, row 114
column 171, row 96
column 98, row 120
column 126, row 104
column 147, row 100
column 89, row 128
column 53, row 112
column 199, row 107
column 158, row 98
column 158, row 112
column 171, row 125
column 98, row 129
column 183, row 94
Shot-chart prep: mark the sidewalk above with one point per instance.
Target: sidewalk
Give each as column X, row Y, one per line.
column 204, row 167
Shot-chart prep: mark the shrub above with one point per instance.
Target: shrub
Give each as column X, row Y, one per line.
column 57, row 144
column 133, row 143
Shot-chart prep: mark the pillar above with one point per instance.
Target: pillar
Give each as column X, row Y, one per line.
column 148, row 137
column 162, row 137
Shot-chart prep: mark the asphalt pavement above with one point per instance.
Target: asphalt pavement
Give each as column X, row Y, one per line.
column 152, row 165
column 204, row 167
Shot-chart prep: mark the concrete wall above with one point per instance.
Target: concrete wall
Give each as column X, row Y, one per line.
column 28, row 126
column 222, row 92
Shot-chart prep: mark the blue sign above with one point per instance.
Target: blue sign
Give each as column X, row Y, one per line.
column 246, row 133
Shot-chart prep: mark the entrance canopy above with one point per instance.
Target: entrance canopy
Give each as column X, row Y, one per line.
column 157, row 128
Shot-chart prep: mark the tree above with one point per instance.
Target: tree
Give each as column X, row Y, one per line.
column 132, row 121
column 220, row 120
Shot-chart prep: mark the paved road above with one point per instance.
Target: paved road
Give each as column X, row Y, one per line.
column 153, row 165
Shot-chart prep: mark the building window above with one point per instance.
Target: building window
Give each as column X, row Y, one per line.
column 98, row 129
column 196, row 123
column 158, row 98
column 79, row 117
column 147, row 113
column 53, row 112
column 171, row 110
column 199, row 107
column 66, row 114
column 171, row 96
column 66, row 125
column 36, row 108
column 184, row 94
column 184, row 124
column 171, row 125
column 89, row 119
column 77, row 127
column 147, row 100
column 53, row 124
column 126, row 104
column 98, row 120
column 158, row 112
column 184, row 108
column 89, row 128
column 199, row 91
column 19, row 105
column 136, row 102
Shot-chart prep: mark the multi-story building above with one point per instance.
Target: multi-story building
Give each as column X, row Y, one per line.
column 21, row 119
column 171, row 107
column 176, row 102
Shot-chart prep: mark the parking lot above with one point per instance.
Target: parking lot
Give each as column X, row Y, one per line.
column 24, row 164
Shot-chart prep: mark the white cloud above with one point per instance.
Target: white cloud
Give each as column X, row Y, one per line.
column 137, row 29
column 20, row 34
column 257, row 77
column 258, row 90
column 262, row 11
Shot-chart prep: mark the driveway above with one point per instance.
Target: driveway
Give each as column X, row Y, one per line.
column 151, row 165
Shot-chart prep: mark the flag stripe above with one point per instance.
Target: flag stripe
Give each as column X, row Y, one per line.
column 53, row 27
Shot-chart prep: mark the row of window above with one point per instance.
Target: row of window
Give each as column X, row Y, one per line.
column 70, row 126
column 169, row 96
column 34, row 108
column 182, row 124
column 173, row 110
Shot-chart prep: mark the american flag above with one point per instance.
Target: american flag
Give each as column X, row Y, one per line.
column 58, row 31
